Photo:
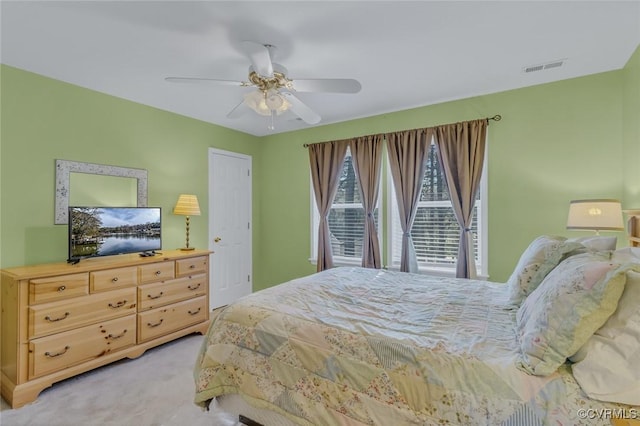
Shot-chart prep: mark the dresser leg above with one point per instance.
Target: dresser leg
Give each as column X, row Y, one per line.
column 25, row 393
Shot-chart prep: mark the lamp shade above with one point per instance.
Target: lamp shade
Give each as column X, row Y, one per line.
column 187, row 205
column 598, row 215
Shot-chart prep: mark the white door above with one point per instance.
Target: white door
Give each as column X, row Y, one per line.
column 229, row 226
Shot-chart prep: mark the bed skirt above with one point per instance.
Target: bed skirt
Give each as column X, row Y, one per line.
column 239, row 407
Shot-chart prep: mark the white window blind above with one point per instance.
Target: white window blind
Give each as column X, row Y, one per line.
column 435, row 230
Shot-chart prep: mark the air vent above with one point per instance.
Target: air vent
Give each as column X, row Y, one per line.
column 553, row 65
column 534, row 68
column 540, row 67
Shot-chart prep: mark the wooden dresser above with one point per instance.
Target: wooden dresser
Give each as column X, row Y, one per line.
column 60, row 320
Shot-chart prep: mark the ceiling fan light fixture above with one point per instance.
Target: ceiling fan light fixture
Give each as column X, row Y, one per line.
column 266, row 102
column 274, row 101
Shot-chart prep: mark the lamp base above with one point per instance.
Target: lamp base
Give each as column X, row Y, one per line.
column 187, row 248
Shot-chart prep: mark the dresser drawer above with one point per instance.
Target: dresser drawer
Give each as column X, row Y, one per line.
column 62, row 350
column 160, row 321
column 193, row 265
column 49, row 289
column 163, row 293
column 60, row 316
column 113, row 278
column 155, row 272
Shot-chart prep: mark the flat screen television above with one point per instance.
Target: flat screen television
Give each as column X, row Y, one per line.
column 107, row 231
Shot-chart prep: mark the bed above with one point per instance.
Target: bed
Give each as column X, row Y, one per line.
column 356, row 346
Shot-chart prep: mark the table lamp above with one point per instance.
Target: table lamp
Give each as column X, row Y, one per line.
column 187, row 205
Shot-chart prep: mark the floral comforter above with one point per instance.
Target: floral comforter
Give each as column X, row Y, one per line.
column 355, row 346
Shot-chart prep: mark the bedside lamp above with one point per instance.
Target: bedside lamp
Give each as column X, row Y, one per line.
column 596, row 215
column 187, row 206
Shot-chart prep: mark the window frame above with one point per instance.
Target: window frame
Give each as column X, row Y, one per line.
column 386, row 199
column 315, row 220
column 482, row 265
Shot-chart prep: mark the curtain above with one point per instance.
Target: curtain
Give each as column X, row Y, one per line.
column 407, row 152
column 461, row 148
column 366, row 152
column 326, row 161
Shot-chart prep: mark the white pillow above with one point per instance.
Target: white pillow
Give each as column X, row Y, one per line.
column 608, row 365
column 596, row 242
column 627, row 255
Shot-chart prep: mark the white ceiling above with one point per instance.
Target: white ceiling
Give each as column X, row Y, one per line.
column 405, row 54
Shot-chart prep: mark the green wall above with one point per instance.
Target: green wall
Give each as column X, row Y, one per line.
column 631, row 131
column 45, row 119
column 577, row 138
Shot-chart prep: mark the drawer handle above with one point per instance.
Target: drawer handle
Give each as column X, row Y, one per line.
column 156, row 324
column 155, row 297
column 195, row 287
column 194, row 312
column 119, row 304
column 114, row 279
column 62, row 288
column 114, row 337
column 48, row 318
column 192, row 266
column 64, row 351
column 158, row 272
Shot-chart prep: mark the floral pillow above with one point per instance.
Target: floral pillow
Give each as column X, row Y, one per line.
column 542, row 255
column 571, row 303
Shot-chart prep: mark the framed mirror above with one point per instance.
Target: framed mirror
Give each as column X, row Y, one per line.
column 66, row 169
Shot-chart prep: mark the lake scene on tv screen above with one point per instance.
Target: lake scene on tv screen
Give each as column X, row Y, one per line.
column 105, row 231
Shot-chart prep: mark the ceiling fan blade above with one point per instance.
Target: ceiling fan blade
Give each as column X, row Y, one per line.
column 300, row 109
column 260, row 57
column 332, row 85
column 197, row 80
column 238, row 111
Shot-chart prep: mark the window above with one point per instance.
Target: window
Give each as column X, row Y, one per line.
column 435, row 230
column 346, row 218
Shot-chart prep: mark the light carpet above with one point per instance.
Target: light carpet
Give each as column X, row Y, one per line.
column 156, row 389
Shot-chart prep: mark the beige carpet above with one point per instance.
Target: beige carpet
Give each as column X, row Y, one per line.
column 154, row 389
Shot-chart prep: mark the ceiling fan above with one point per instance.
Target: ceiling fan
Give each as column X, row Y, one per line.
column 275, row 92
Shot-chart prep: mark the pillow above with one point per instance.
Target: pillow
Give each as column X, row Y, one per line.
column 572, row 302
column 608, row 366
column 542, row 255
column 627, row 255
column 597, row 242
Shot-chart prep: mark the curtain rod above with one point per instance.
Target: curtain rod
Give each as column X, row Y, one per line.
column 496, row 117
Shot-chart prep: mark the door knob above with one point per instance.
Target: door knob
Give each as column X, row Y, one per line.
column 217, row 239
